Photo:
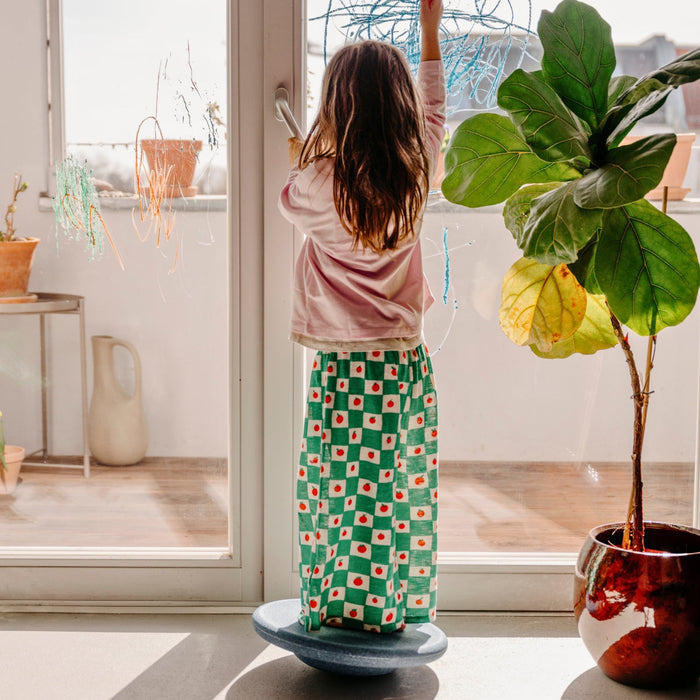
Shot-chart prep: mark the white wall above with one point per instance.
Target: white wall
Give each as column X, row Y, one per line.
column 501, row 402
column 177, row 322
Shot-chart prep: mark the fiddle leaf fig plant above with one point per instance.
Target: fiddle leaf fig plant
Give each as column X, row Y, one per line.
column 596, row 254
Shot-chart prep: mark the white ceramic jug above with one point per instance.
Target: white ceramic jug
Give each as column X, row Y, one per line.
column 117, row 426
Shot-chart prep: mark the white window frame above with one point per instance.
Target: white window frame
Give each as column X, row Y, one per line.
column 467, row 581
column 168, row 578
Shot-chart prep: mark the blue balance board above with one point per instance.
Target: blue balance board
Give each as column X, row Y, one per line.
column 350, row 652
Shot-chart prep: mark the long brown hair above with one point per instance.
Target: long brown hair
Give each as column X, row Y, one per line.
column 371, row 122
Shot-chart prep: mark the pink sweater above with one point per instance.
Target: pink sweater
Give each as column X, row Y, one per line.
column 347, row 299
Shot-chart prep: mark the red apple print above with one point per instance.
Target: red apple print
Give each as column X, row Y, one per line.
column 422, row 571
column 399, row 495
column 318, row 535
column 387, row 474
column 315, row 364
column 434, row 494
column 362, row 549
column 306, row 538
column 420, row 513
column 302, row 506
column 323, row 469
column 366, row 487
column 339, row 419
column 400, row 387
column 421, row 543
column 353, row 613
column 393, row 371
column 384, row 508
column 315, row 394
column 390, row 404
column 357, row 581
column 313, row 604
column 372, row 420
column 381, row 536
column 320, row 505
column 417, row 451
column 349, row 502
column 316, row 570
column 419, row 480
column 375, row 387
column 336, row 521
column 323, row 435
column 388, row 440
column 370, row 455
column 314, row 492
column 330, row 368
column 419, row 420
column 317, row 428
column 402, row 526
column 328, row 399
column 322, row 616
column 345, row 532
column 434, row 433
column 337, row 488
column 340, row 564
column 402, row 555
column 419, row 601
column 325, row 583
column 389, row 617
column 342, row 385
column 352, row 468
column 375, row 600
column 378, row 571
column 340, row 452
column 335, row 594
column 363, row 519
column 434, row 460
column 403, row 354
column 301, row 472
column 358, row 369
column 354, row 435
column 429, row 399
column 376, row 353
column 357, row 402
column 314, row 460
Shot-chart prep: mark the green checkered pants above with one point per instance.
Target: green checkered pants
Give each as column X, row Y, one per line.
column 367, row 491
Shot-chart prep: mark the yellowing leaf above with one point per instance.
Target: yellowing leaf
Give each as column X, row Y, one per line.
column 595, row 333
column 540, row 304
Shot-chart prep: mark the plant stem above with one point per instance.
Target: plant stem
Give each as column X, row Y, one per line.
column 633, row 537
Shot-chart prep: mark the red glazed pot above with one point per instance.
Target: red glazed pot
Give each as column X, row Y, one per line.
column 638, row 613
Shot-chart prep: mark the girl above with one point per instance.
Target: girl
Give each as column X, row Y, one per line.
column 367, row 481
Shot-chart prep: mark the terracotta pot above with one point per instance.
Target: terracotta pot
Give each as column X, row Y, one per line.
column 177, row 157
column 675, row 169
column 16, row 258
column 14, row 456
column 638, row 613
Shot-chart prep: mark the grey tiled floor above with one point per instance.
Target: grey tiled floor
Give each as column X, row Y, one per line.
column 201, row 657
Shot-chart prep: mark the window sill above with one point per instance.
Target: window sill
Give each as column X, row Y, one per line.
column 205, row 202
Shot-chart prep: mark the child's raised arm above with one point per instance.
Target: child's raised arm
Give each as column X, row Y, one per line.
column 430, row 16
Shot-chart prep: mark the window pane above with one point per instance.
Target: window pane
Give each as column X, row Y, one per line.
column 529, row 445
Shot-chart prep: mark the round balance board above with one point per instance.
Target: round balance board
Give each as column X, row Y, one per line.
column 352, row 652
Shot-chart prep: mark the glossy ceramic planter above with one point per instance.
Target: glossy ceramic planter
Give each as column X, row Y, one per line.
column 638, row 613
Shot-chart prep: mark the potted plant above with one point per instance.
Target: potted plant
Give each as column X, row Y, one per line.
column 11, row 458
column 597, row 256
column 16, row 254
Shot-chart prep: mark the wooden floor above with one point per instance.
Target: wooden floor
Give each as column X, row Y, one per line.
column 484, row 506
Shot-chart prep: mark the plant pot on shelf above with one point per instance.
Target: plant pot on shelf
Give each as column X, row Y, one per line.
column 16, row 257
column 14, row 456
column 674, row 174
column 177, row 158
column 638, row 613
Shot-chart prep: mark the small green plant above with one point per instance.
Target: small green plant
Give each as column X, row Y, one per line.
column 18, row 186
column 596, row 254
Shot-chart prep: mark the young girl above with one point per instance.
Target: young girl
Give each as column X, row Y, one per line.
column 367, row 481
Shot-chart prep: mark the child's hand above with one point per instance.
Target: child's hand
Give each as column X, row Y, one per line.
column 430, row 17
column 295, row 146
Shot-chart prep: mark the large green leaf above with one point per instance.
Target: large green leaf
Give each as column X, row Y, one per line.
column 595, row 333
column 618, row 85
column 517, row 207
column 552, row 130
column 557, row 228
column 540, row 304
column 646, row 265
column 487, row 160
column 649, row 93
column 584, row 269
column 628, row 174
column 579, row 57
